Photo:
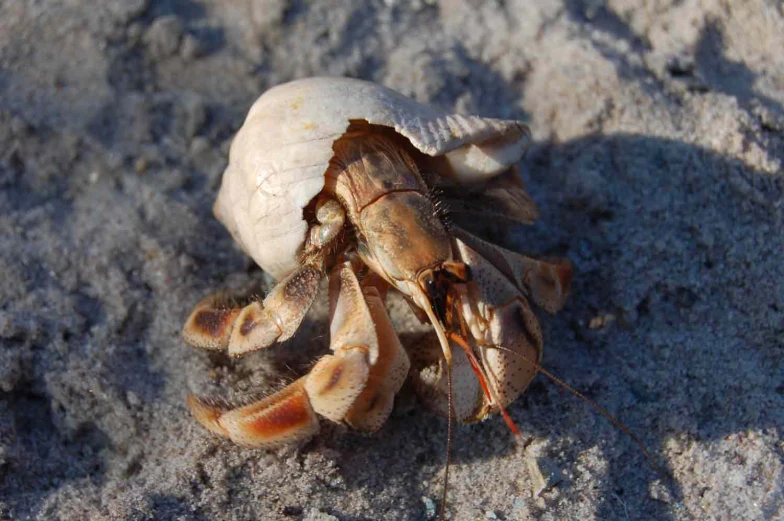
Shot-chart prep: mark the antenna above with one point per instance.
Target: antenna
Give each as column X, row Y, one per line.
column 615, row 421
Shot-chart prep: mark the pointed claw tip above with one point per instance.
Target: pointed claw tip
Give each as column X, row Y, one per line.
column 551, row 287
column 565, row 273
column 207, row 415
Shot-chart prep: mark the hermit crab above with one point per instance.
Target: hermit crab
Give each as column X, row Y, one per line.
column 346, row 179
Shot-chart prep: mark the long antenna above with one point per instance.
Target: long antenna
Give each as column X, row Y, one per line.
column 451, row 407
column 616, row 422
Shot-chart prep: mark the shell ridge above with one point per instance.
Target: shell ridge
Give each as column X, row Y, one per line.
column 417, row 136
column 461, row 123
column 445, row 131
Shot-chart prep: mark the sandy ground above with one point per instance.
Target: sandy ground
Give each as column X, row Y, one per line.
column 659, row 132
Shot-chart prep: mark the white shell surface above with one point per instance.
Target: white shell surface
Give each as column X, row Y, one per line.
column 279, row 157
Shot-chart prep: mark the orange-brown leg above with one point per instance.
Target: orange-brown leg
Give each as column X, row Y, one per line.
column 283, row 418
column 216, row 324
column 358, row 323
column 373, row 406
column 213, row 324
column 355, row 384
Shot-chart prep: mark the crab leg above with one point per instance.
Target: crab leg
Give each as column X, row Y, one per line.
column 355, row 384
column 359, row 323
column 545, row 281
column 215, row 325
column 331, row 217
column 282, row 418
column 373, row 406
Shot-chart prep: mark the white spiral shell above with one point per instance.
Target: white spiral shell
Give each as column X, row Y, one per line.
column 279, row 157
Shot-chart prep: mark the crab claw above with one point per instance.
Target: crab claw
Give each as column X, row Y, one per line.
column 545, row 281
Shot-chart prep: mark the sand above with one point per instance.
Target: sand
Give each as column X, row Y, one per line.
column 657, row 165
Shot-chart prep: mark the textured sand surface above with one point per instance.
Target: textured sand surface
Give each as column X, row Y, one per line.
column 659, row 131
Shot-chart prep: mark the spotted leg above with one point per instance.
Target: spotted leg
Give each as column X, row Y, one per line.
column 216, row 324
column 355, row 384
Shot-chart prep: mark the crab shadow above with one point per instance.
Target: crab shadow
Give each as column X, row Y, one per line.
column 651, row 226
column 654, row 228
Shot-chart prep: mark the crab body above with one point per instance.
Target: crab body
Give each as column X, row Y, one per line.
column 335, row 177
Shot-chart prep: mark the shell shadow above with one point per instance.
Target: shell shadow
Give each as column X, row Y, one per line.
column 670, row 241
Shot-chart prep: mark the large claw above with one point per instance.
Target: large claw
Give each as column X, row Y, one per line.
column 515, row 328
column 497, row 326
column 545, row 281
